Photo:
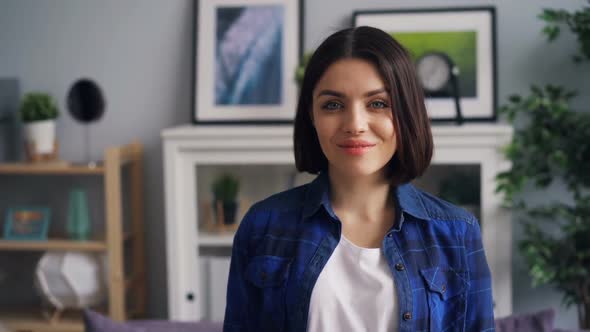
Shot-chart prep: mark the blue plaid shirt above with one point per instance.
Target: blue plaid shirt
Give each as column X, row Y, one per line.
column 434, row 252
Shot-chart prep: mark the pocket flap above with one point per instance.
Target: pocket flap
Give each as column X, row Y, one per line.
column 268, row 271
column 445, row 281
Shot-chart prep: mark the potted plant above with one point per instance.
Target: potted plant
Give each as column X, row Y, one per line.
column 553, row 143
column 39, row 112
column 225, row 192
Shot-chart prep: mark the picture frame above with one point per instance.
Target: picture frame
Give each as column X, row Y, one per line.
column 466, row 35
column 27, row 223
column 245, row 56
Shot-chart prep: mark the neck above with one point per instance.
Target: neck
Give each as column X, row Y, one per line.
column 368, row 196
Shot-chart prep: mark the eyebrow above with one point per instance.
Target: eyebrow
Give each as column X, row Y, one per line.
column 341, row 95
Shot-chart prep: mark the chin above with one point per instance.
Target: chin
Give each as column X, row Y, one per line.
column 358, row 169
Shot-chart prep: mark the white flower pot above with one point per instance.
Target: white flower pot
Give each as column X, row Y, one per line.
column 42, row 135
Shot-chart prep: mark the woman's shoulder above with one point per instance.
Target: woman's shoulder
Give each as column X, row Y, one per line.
column 439, row 209
column 282, row 207
column 274, row 214
column 287, row 200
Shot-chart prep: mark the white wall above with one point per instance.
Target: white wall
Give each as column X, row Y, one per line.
column 140, row 53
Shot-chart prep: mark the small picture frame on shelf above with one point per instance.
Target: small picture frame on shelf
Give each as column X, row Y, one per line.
column 27, row 223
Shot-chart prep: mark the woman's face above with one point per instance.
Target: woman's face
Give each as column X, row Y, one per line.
column 353, row 118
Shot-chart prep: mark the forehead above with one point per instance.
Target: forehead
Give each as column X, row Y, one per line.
column 350, row 76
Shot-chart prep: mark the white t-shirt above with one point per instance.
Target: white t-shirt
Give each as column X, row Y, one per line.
column 354, row 292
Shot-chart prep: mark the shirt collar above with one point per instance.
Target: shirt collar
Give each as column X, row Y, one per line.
column 318, row 195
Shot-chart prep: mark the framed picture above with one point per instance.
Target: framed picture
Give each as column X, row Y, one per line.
column 466, row 36
column 27, row 223
column 246, row 54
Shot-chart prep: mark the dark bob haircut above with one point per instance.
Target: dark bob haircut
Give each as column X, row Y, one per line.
column 410, row 120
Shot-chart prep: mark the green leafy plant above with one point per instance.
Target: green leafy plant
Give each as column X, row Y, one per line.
column 38, row 106
column 225, row 188
column 553, row 143
column 578, row 22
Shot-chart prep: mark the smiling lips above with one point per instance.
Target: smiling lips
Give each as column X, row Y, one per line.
column 356, row 147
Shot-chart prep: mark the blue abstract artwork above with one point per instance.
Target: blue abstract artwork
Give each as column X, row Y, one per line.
column 248, row 55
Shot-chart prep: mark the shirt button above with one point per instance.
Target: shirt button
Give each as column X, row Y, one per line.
column 400, row 267
column 443, row 288
column 407, row 315
column 389, row 235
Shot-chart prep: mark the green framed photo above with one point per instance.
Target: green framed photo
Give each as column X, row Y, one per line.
column 466, row 36
column 27, row 223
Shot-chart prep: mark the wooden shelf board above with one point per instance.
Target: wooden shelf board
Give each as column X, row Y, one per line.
column 33, row 320
column 52, row 244
column 60, row 242
column 50, row 168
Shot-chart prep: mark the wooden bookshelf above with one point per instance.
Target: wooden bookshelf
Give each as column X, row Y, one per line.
column 113, row 242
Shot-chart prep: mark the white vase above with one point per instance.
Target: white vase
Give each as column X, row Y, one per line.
column 42, row 134
column 71, row 279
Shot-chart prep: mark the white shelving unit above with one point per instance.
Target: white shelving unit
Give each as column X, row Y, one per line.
column 188, row 147
column 213, row 240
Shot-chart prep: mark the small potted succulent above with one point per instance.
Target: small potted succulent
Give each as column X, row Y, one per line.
column 225, row 191
column 38, row 112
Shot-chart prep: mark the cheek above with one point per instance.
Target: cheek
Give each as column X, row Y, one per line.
column 323, row 126
column 387, row 131
column 390, row 139
column 323, row 132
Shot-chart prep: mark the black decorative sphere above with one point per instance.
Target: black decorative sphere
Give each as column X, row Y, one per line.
column 85, row 101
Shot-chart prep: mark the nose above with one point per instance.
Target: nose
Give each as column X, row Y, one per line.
column 355, row 120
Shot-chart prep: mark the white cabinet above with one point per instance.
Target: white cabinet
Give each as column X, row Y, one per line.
column 193, row 150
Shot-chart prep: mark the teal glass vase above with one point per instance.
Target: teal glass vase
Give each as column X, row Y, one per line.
column 78, row 222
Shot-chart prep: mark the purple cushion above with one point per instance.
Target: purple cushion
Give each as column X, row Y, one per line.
column 95, row 322
column 541, row 321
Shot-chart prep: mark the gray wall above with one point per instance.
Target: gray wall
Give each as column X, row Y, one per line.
column 140, row 53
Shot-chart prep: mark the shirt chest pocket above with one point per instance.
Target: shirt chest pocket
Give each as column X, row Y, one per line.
column 266, row 299
column 446, row 292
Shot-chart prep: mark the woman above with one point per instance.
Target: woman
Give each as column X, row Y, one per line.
column 359, row 248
